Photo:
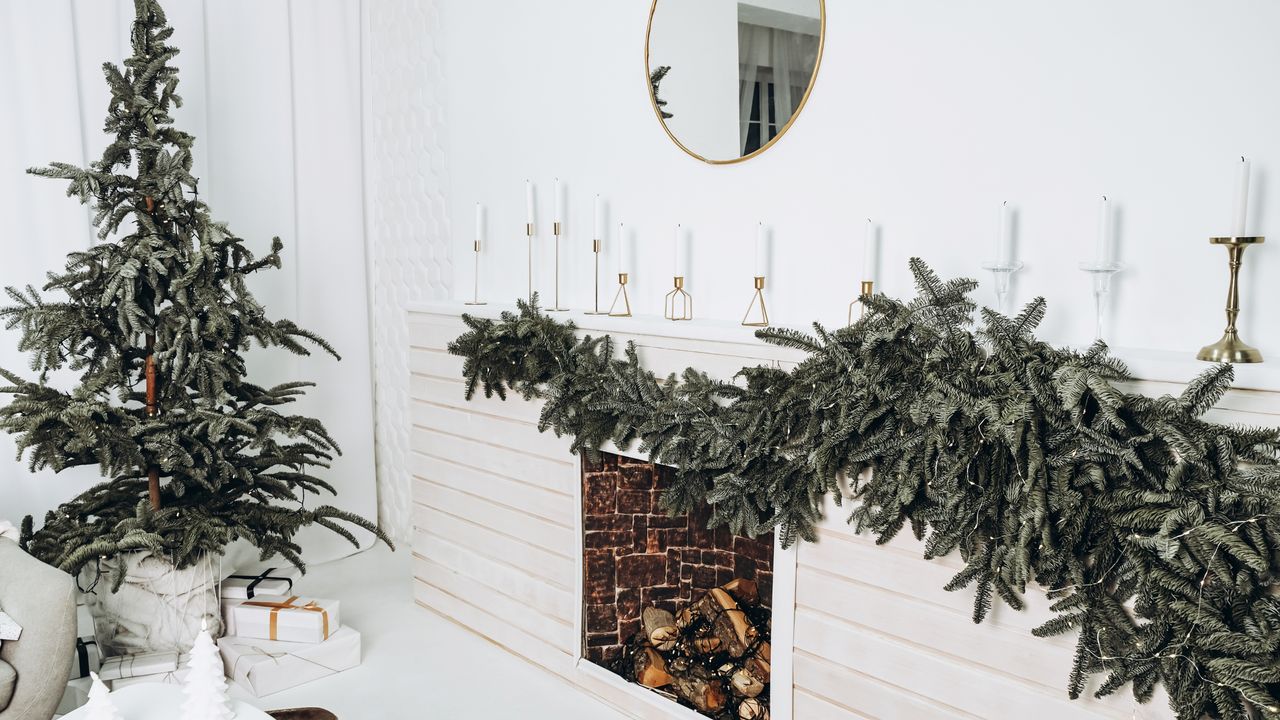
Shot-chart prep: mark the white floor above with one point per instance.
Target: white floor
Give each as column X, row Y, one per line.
column 417, row 664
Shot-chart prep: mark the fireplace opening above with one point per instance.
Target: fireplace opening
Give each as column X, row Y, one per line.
column 667, row 603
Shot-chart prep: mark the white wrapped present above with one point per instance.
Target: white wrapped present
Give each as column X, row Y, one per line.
column 132, row 666
column 171, row 677
column 287, row 619
column 260, row 580
column 88, row 658
column 263, row 667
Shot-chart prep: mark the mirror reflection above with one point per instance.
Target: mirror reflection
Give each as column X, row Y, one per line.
column 727, row 78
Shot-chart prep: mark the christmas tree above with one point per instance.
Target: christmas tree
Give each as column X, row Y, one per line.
column 205, row 685
column 154, row 320
column 100, row 705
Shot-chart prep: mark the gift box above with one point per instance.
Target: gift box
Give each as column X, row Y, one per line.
column 263, row 667
column 88, row 658
column 171, row 677
column 287, row 619
column 260, row 581
column 74, row 696
column 132, row 666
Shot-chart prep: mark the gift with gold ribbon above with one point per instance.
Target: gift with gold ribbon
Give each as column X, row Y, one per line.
column 263, row 667
column 287, row 619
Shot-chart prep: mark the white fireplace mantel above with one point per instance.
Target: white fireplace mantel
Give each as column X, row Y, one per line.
column 860, row 630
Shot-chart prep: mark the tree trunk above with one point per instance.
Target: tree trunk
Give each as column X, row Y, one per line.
column 153, row 472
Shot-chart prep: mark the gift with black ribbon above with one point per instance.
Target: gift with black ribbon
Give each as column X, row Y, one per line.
column 88, row 658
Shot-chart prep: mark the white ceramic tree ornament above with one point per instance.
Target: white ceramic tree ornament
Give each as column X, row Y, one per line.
column 100, row 705
column 205, row 685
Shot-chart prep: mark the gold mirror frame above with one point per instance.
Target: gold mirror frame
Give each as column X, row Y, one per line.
column 657, row 112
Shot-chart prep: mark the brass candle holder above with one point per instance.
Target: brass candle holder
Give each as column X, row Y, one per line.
column 595, row 249
column 757, row 299
column 528, row 231
column 621, row 295
column 475, row 293
column 555, row 228
column 678, row 304
column 1231, row 348
column 868, row 289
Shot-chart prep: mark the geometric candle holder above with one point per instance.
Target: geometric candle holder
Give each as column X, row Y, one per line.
column 1230, row 348
column 757, row 299
column 868, row 289
column 678, row 304
column 621, row 295
column 1001, row 272
column 1101, row 273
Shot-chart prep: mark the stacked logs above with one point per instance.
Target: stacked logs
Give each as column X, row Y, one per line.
column 712, row 655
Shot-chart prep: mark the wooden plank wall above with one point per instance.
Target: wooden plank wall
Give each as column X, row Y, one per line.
column 496, row 546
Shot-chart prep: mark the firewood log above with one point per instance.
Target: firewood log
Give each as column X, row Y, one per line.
column 744, row 591
column 728, row 622
column 651, row 669
column 660, row 628
column 753, row 709
column 706, row 645
column 760, row 662
column 745, row 683
column 700, row 689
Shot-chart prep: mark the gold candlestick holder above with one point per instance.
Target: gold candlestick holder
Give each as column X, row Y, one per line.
column 595, row 249
column 757, row 299
column 1231, row 348
column 555, row 228
column 621, row 295
column 868, row 289
column 475, row 292
column 528, row 231
column 678, row 304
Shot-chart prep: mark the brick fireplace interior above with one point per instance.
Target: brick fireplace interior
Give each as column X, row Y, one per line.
column 635, row 555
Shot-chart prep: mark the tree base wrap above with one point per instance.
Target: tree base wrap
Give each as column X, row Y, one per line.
column 263, row 667
column 287, row 619
column 157, row 608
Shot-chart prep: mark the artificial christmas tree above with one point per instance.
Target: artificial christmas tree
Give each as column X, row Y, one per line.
column 155, row 320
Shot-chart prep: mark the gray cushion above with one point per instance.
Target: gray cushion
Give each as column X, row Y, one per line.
column 8, row 676
column 42, row 600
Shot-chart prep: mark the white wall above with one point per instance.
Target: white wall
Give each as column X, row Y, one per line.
column 926, row 115
column 273, row 96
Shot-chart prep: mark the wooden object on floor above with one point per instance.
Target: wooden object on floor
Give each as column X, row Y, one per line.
column 303, row 714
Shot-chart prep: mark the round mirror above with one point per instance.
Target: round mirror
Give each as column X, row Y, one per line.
column 728, row 78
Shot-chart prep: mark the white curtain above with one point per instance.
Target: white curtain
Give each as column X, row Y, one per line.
column 772, row 56
column 273, row 92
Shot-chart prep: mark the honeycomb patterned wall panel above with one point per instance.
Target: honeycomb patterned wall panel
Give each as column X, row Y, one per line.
column 408, row 220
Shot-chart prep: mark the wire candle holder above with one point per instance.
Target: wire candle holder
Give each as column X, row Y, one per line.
column 868, row 289
column 1230, row 348
column 1002, row 272
column 678, row 304
column 757, row 299
column 621, row 295
column 1101, row 273
column 555, row 228
column 475, row 293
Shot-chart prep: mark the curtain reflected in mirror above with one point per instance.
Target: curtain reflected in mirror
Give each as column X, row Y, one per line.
column 727, row 78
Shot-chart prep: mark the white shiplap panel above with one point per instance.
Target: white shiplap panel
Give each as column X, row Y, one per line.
column 825, row 689
column 488, row 542
column 511, row 434
column 535, row 499
column 509, row 580
column 495, row 458
column 453, row 394
column 534, row 530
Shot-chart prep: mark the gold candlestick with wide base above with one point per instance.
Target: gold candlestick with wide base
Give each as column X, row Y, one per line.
column 868, row 289
column 595, row 249
column 678, row 304
column 621, row 295
column 475, row 295
column 1231, row 348
column 555, row 228
column 757, row 299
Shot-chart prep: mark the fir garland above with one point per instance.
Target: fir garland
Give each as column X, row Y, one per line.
column 1154, row 531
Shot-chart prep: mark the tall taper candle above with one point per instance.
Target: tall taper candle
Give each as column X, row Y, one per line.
column 762, row 251
column 869, row 253
column 1102, row 249
column 528, row 202
column 1004, row 249
column 681, row 251
column 559, row 203
column 479, row 225
column 598, row 224
column 1242, row 199
column 624, row 247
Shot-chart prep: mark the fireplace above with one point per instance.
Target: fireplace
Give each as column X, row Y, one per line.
column 640, row 564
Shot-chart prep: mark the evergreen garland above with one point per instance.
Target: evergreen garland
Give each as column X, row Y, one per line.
column 1154, row 531
column 165, row 282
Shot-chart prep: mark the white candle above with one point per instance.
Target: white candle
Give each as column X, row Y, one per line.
column 479, row 225
column 598, row 225
column 762, row 251
column 1102, row 251
column 559, row 203
column 1242, row 199
column 681, row 247
column 869, row 252
column 1004, row 249
column 528, row 202
column 623, row 248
